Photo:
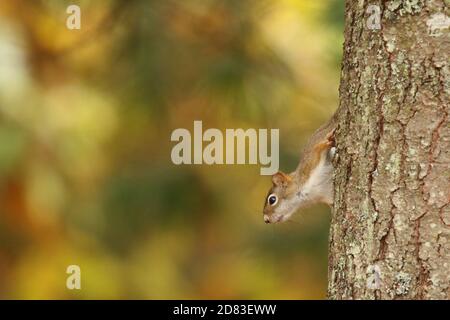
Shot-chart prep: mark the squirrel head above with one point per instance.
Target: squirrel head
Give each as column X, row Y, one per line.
column 282, row 198
column 290, row 192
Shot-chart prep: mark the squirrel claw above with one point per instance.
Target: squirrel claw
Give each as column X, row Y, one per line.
column 330, row 138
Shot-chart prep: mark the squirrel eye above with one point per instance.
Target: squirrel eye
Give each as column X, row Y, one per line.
column 272, row 199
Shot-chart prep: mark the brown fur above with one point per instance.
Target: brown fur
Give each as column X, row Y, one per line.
column 287, row 186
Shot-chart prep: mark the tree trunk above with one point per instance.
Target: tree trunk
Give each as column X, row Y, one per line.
column 390, row 231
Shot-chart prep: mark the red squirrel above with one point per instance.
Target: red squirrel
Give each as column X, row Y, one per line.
column 310, row 183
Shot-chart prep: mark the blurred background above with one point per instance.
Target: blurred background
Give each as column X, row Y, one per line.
column 85, row 122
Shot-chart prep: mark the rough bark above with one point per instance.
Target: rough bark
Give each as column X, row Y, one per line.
column 390, row 232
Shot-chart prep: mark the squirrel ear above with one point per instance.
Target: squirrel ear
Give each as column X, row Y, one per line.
column 280, row 178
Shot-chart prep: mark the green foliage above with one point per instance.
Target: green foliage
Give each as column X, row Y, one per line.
column 85, row 123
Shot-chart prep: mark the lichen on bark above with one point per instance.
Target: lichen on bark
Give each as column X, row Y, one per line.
column 390, row 231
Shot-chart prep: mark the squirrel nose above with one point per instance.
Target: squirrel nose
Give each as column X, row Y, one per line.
column 266, row 218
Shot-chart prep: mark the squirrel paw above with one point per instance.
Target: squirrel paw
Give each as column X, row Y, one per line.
column 330, row 138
